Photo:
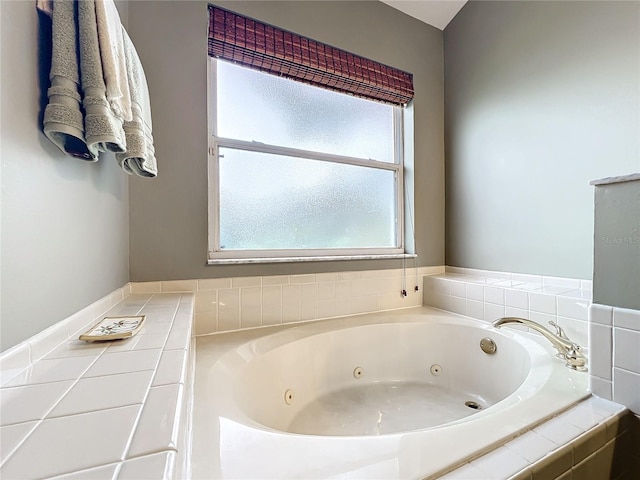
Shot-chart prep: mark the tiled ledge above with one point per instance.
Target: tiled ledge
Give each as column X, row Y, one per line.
column 487, row 295
column 580, row 442
column 76, row 410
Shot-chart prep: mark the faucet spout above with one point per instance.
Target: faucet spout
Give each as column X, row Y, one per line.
column 569, row 351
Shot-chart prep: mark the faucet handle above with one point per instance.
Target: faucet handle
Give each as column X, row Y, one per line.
column 559, row 330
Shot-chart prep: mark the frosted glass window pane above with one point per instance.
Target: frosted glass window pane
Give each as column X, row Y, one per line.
column 277, row 202
column 256, row 106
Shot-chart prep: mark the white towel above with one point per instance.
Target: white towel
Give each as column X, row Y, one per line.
column 112, row 52
column 140, row 155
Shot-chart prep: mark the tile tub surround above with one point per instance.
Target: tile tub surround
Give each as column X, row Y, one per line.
column 227, row 304
column 614, row 337
column 487, row 295
column 105, row 409
column 595, row 440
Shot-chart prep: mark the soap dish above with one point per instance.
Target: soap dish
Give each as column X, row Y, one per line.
column 114, row 328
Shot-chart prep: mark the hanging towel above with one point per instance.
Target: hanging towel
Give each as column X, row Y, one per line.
column 63, row 119
column 113, row 58
column 140, row 155
column 79, row 118
column 103, row 130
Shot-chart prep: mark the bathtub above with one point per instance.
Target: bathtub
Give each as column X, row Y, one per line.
column 404, row 394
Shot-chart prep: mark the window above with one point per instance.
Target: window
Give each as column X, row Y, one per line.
column 300, row 172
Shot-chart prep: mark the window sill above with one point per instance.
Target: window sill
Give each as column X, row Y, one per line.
column 324, row 258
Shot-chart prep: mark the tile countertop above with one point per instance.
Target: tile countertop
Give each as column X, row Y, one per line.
column 108, row 410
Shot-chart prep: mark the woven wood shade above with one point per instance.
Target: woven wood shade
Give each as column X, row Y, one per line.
column 267, row 48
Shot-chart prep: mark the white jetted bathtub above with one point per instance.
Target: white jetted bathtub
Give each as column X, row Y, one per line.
column 406, row 394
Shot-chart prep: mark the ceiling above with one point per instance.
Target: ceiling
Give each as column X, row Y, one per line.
column 437, row 13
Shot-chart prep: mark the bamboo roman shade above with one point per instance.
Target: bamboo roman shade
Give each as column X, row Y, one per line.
column 270, row 49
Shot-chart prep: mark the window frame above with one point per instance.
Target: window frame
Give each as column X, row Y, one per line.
column 219, row 256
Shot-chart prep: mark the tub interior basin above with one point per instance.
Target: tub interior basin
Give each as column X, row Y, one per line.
column 376, row 379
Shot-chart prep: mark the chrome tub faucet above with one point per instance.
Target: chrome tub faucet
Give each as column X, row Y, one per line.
column 568, row 351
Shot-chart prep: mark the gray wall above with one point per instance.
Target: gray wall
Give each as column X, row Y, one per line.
column 64, row 234
column 168, row 217
column 540, row 98
column 616, row 276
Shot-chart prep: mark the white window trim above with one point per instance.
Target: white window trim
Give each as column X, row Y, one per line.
column 217, row 256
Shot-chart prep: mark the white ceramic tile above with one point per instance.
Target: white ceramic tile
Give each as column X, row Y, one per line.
column 156, row 316
column 53, row 370
column 579, row 294
column 626, row 350
column 30, row 402
column 250, row 297
column 601, row 314
column 507, row 283
column 48, row 340
column 101, row 393
column 576, row 330
column 290, row 303
column 326, row 277
column 475, row 309
column 272, row 295
column 164, row 299
column 214, row 283
column 475, row 292
column 250, row 317
column 124, row 362
column 206, row 323
column 542, row 303
column 526, row 278
column 275, row 280
column 626, row 386
column 340, row 276
column 271, row 314
column 179, row 338
column 466, row 472
column 106, row 472
column 308, row 301
column 516, row 312
column 228, row 318
column 138, row 342
column 573, row 308
column 493, row 312
column 228, row 298
column 237, row 282
column 571, row 283
column 146, row 287
column 459, row 289
column 560, row 431
column 500, row 463
column 11, row 436
column 542, row 318
column 14, row 361
column 77, row 348
column 583, row 416
column 532, row 446
column 603, row 407
column 171, row 368
column 66, row 444
column 441, row 286
column 206, row 300
column 528, row 287
column 157, row 429
column 327, row 308
column 600, row 387
column 307, row 278
column 494, row 295
column 458, row 305
column 555, row 290
column 326, row 290
column 136, row 300
column 600, row 350
column 517, row 299
column 179, row 285
column 626, row 318
column 159, row 466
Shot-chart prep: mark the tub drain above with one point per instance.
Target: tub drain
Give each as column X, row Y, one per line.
column 473, row 405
